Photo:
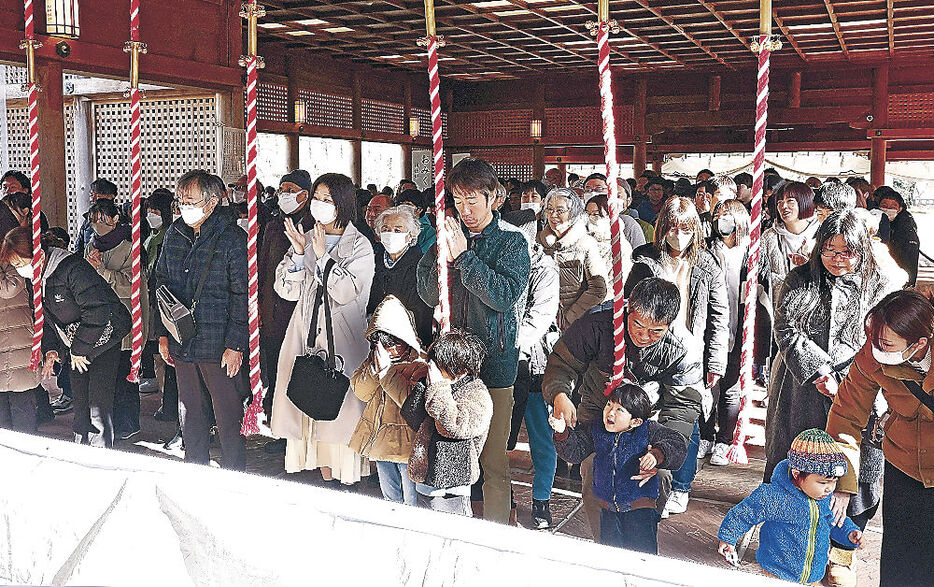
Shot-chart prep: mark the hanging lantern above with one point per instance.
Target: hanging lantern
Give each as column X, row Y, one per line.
column 535, row 129
column 301, row 111
column 414, row 127
column 61, row 18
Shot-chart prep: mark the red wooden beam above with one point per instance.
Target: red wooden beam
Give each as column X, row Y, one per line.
column 907, row 134
column 836, row 28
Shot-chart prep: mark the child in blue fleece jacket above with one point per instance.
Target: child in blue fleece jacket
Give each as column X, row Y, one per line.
column 794, row 510
column 629, row 448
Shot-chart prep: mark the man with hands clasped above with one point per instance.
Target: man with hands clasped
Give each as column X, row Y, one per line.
column 628, row 449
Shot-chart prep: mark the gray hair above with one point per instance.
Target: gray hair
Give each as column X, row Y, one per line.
column 210, row 186
column 575, row 204
column 408, row 216
column 836, row 196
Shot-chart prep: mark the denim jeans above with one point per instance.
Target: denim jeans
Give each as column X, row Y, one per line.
column 634, row 530
column 394, row 482
column 682, row 478
column 541, row 445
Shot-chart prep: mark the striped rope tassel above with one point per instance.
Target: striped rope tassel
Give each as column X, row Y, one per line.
column 737, row 451
column 437, row 135
column 250, row 425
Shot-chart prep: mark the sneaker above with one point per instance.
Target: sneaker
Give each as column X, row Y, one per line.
column 148, row 386
column 62, row 405
column 275, row 447
column 176, row 442
column 718, row 456
column 126, row 435
column 704, row 449
column 541, row 514
column 677, row 502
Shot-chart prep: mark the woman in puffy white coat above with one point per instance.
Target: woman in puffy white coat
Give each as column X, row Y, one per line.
column 313, row 444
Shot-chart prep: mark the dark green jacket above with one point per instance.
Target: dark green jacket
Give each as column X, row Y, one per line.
column 488, row 284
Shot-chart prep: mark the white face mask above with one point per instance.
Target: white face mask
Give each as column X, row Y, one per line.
column 533, row 206
column 25, row 271
column 889, row 357
column 599, row 222
column 323, row 212
column 237, row 195
column 155, row 220
column 191, row 214
column 244, row 223
column 394, row 242
column 288, row 202
column 679, row 241
column 890, row 213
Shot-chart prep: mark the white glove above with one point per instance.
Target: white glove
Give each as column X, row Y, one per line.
column 557, row 424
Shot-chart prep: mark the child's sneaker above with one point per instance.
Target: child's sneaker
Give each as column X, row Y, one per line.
column 677, row 502
column 718, row 456
column 541, row 514
column 704, row 448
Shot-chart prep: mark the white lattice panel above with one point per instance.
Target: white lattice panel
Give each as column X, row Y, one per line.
column 272, row 102
column 178, row 135
column 15, row 74
column 18, row 131
column 71, row 167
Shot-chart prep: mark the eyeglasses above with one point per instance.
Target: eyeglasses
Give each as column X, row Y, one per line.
column 832, row 254
column 556, row 211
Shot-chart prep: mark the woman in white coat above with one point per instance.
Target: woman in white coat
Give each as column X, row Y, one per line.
column 313, row 444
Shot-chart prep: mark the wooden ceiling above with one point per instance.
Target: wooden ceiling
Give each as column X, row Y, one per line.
column 500, row 39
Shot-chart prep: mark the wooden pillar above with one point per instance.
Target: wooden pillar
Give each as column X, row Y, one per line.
column 293, row 96
column 357, row 144
column 657, row 161
column 407, row 147
column 84, row 154
column 880, row 115
column 794, row 90
column 563, row 171
column 52, row 142
column 638, row 129
column 538, row 149
column 713, row 93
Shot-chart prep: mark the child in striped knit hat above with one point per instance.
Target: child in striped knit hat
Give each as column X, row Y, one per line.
column 794, row 510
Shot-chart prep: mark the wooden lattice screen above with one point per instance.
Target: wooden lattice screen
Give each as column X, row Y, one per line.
column 330, row 110
column 272, row 102
column 911, row 110
column 385, row 117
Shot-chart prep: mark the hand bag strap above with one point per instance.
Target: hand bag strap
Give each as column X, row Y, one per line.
column 319, row 298
column 204, row 277
column 329, row 327
column 916, row 390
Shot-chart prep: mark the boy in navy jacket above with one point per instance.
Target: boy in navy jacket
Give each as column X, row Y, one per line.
column 628, row 451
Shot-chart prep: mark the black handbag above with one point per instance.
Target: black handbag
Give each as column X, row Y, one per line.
column 317, row 386
column 178, row 319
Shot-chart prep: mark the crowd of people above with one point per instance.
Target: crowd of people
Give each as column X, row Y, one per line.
column 359, row 375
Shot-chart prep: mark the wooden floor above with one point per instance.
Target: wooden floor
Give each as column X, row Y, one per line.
column 688, row 536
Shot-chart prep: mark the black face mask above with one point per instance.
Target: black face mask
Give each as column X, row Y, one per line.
column 724, row 226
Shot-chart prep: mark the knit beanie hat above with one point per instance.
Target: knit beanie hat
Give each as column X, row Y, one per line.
column 814, row 451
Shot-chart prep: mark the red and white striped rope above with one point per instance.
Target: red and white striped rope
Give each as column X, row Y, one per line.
column 136, row 185
column 250, row 425
column 615, row 205
column 33, row 98
column 437, row 135
column 737, row 452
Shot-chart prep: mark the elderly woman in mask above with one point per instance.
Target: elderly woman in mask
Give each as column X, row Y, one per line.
column 583, row 274
column 397, row 230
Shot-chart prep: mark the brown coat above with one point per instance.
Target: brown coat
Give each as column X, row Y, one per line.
column 909, row 433
column 15, row 333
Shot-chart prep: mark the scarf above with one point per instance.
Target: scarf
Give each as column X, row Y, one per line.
column 112, row 239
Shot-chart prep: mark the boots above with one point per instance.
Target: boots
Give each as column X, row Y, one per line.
column 840, row 571
column 541, row 514
column 477, row 508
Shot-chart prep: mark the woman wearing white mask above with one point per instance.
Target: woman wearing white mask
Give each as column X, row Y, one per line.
column 313, row 444
column 397, row 229
column 819, row 327
column 678, row 254
column 274, row 311
column 903, row 234
column 84, row 323
column 583, row 274
column 895, row 359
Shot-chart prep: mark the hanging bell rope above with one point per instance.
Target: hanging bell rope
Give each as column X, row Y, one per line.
column 763, row 46
column 602, row 29
column 31, row 44
column 252, row 11
column 134, row 47
column 432, row 42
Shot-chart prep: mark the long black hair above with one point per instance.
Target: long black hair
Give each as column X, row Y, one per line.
column 853, row 230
